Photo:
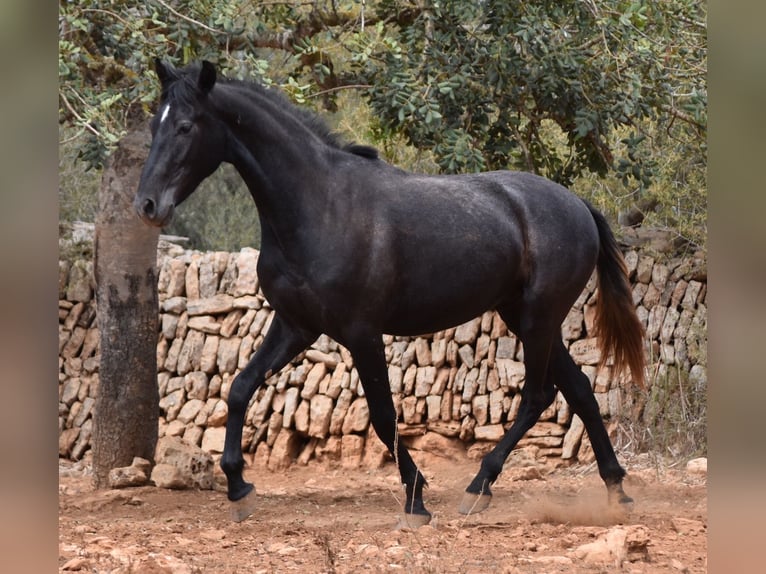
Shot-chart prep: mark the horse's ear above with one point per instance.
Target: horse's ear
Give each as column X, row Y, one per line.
column 164, row 71
column 207, row 77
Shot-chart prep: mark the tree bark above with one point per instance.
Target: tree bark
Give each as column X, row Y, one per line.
column 125, row 267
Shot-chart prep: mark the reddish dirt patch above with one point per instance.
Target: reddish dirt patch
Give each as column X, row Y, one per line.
column 319, row 519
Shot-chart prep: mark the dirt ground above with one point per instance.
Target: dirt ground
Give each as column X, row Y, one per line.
column 322, row 519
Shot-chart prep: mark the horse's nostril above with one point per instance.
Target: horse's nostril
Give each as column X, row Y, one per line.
column 149, row 207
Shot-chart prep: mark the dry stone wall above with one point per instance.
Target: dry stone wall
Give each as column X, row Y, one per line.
column 460, row 385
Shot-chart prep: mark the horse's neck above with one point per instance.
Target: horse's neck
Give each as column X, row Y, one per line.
column 282, row 170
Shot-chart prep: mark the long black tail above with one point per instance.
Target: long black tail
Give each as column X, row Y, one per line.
column 618, row 328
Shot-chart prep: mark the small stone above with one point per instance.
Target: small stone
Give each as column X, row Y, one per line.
column 352, row 446
column 189, row 355
column 228, row 354
column 67, row 439
column 126, row 476
column 209, row 355
column 190, row 410
column 697, row 466
column 616, row 545
column 213, row 439
column 489, row 432
column 247, row 276
column 328, row 449
column 194, row 466
column 175, row 305
column 205, row 323
column 168, row 476
column 230, row 324
column 77, row 563
column 330, row 360
column 433, row 408
column 320, row 413
column 216, row 305
column 315, row 376
column 525, row 473
column 510, row 373
column 424, row 379
column 480, row 409
column 142, row 464
column 285, row 450
column 585, row 351
column 450, row 429
column 644, row 269
column 302, row 417
column 572, row 438
column 467, row 355
column 506, row 348
column 196, row 384
column 467, row 332
column 439, row 445
column 357, row 418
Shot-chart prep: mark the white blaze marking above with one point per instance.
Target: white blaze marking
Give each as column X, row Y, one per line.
column 165, row 113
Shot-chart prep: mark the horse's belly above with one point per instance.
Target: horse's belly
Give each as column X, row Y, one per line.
column 426, row 313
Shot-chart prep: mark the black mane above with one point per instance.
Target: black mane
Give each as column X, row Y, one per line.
column 186, row 81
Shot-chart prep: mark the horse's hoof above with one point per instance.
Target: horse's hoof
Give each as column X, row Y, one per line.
column 617, row 497
column 412, row 521
column 242, row 508
column 624, row 505
column 474, row 503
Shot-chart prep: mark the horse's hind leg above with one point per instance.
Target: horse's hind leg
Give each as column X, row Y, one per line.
column 538, row 393
column 575, row 387
column 282, row 343
column 370, row 361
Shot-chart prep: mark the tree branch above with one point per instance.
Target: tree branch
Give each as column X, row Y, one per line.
column 78, row 117
column 341, row 87
column 190, row 20
column 675, row 112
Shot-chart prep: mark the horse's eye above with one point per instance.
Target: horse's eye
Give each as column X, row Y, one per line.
column 184, row 127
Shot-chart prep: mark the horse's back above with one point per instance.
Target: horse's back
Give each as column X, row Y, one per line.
column 523, row 211
column 456, row 246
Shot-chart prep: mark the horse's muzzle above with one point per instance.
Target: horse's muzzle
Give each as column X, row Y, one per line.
column 153, row 213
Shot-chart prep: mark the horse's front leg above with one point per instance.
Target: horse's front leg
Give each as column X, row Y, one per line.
column 282, row 343
column 370, row 361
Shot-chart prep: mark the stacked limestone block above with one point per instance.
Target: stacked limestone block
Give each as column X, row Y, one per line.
column 462, row 383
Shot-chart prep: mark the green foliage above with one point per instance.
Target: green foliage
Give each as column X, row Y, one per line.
column 481, row 84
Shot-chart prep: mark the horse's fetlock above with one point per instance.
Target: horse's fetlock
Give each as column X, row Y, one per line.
column 230, row 467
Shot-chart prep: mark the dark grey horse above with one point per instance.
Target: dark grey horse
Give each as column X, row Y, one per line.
column 354, row 247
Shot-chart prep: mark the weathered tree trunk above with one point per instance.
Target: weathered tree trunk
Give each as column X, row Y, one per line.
column 127, row 404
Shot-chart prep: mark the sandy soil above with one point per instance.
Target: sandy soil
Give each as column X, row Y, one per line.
column 318, row 518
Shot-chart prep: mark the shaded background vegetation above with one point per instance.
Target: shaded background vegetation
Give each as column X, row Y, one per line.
column 606, row 97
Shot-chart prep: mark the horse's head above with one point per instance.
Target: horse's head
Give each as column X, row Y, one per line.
column 187, row 142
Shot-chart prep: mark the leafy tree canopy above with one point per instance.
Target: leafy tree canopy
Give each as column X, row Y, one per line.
column 569, row 88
